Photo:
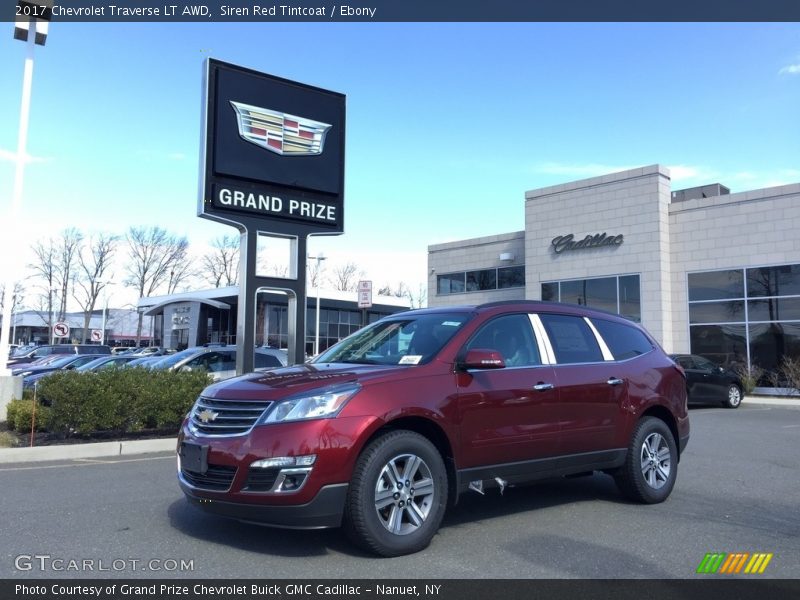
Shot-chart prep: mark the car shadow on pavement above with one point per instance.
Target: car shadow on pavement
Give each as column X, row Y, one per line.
column 473, row 506
column 289, row 543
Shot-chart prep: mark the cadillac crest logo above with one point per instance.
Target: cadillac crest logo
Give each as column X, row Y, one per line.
column 207, row 415
column 284, row 134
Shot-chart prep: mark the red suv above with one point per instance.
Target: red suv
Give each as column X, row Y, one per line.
column 388, row 426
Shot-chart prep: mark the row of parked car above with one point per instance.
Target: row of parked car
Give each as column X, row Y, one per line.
column 707, row 382
column 219, row 361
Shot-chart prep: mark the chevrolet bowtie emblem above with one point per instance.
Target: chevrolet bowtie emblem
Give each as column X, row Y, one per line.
column 207, row 415
column 284, row 134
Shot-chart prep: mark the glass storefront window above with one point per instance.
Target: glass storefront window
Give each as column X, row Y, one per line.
column 769, row 330
column 717, row 312
column 509, row 277
column 716, row 285
column 771, row 342
column 482, row 280
column 774, row 309
column 452, row 283
column 630, row 304
column 619, row 294
column 774, row 281
column 724, row 345
column 550, row 292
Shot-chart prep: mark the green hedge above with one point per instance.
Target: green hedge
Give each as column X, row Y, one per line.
column 20, row 412
column 118, row 400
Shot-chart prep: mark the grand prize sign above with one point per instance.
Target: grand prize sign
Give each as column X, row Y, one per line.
column 272, row 163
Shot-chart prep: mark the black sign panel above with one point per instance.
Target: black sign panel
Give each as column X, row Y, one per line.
column 274, row 150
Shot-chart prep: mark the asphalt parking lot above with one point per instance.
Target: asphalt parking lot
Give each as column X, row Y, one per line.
column 737, row 491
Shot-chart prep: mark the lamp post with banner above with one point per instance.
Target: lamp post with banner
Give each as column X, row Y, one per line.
column 31, row 26
column 319, row 258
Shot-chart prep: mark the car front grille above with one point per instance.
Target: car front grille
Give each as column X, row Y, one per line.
column 226, row 417
column 217, row 478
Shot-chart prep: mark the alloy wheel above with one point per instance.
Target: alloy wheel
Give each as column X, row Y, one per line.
column 655, row 461
column 404, row 494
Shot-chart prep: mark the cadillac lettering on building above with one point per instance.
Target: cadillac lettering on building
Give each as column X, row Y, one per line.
column 567, row 242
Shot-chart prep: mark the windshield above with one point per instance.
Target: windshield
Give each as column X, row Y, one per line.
column 92, row 364
column 401, row 340
column 64, row 360
column 173, row 359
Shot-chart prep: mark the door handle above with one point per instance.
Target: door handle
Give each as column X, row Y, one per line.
column 543, row 387
column 614, row 381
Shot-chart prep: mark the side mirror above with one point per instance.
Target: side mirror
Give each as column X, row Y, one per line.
column 185, row 369
column 482, row 358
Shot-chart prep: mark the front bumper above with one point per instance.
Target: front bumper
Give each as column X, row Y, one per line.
column 324, row 510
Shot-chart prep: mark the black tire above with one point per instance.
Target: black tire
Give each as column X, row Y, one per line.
column 386, row 520
column 651, row 465
column 734, row 397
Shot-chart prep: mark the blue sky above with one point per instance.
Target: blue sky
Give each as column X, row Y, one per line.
column 447, row 124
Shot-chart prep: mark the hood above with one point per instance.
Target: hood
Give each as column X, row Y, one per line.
column 276, row 384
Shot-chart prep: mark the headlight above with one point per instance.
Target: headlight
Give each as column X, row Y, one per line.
column 319, row 405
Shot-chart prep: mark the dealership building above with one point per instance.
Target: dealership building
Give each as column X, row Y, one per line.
column 210, row 316
column 704, row 270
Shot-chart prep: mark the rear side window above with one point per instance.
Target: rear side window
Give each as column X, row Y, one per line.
column 623, row 340
column 571, row 338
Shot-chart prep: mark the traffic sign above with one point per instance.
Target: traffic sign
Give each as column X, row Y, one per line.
column 97, row 335
column 364, row 294
column 60, row 330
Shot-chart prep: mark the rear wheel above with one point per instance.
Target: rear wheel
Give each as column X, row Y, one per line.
column 397, row 495
column 651, row 465
column 734, row 398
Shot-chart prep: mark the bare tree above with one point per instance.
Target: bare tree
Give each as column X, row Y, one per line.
column 314, row 273
column 45, row 271
column 400, row 290
column 94, row 262
column 17, row 297
column 221, row 264
column 418, row 299
column 67, row 253
column 345, row 277
column 154, row 255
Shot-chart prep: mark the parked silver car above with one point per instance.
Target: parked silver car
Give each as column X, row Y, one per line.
column 219, row 361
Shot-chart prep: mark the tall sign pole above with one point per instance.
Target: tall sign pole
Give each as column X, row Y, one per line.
column 31, row 27
column 272, row 164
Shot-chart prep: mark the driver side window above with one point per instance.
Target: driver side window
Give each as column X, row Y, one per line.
column 512, row 337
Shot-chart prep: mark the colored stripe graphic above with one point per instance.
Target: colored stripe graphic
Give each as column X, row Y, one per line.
column 724, row 563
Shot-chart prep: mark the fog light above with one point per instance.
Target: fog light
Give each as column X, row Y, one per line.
column 285, row 461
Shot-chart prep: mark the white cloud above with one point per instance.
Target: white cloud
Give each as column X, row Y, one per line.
column 9, row 156
column 790, row 70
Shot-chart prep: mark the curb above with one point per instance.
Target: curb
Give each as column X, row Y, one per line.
column 92, row 450
column 771, row 400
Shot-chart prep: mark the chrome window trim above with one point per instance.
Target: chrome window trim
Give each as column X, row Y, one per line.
column 542, row 340
column 607, row 356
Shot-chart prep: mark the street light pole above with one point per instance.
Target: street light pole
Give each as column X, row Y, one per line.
column 319, row 258
column 33, row 31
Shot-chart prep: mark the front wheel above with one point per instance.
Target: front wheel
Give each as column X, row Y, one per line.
column 651, row 465
column 397, row 495
column 734, row 398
